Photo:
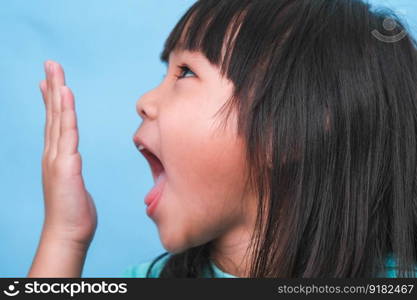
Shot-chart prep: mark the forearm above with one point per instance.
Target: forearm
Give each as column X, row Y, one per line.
column 57, row 258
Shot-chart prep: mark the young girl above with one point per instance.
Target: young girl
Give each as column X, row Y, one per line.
column 282, row 142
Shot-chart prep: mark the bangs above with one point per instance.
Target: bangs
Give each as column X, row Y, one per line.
column 206, row 28
column 227, row 32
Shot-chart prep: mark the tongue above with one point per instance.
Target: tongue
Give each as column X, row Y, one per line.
column 157, row 189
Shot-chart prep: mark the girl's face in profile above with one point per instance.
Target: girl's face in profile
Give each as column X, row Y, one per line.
column 204, row 196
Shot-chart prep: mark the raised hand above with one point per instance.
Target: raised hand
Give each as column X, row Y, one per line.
column 69, row 209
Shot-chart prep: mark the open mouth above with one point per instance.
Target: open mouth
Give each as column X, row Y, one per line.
column 156, row 165
column 159, row 177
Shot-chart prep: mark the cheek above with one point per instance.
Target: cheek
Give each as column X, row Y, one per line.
column 204, row 160
column 205, row 169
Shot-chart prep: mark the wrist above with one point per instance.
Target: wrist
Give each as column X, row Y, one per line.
column 64, row 241
column 58, row 256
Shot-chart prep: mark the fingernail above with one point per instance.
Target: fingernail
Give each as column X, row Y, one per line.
column 50, row 67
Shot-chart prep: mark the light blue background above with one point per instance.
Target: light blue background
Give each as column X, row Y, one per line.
column 110, row 53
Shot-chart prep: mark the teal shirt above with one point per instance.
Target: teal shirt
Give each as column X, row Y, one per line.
column 139, row 270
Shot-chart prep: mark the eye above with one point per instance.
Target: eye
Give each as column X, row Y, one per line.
column 184, row 69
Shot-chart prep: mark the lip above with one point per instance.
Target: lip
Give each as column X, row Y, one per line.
column 151, row 208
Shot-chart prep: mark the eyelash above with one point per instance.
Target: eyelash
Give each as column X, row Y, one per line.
column 183, row 69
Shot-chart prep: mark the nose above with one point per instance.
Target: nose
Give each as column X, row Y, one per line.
column 146, row 106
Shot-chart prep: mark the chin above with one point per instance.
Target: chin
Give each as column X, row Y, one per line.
column 173, row 246
column 172, row 241
column 177, row 242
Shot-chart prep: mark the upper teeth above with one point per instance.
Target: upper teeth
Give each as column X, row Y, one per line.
column 141, row 147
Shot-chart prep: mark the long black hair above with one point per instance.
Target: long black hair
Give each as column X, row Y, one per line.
column 326, row 92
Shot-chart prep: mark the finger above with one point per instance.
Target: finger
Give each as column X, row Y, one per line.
column 68, row 140
column 57, row 80
column 49, row 105
column 43, row 88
